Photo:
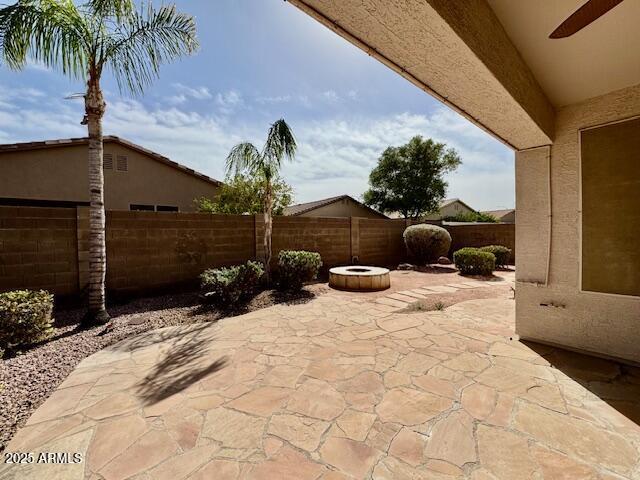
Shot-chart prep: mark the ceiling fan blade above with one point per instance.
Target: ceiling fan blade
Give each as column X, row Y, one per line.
column 587, row 13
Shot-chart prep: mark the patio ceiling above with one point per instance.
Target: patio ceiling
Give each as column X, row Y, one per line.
column 601, row 58
column 460, row 54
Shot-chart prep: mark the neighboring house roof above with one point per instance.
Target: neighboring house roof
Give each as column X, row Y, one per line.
column 301, row 208
column 443, row 203
column 499, row 213
column 65, row 142
column 450, row 201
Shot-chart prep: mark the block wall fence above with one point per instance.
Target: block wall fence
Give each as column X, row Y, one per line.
column 146, row 251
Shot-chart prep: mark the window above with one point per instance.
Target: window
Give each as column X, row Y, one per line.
column 610, row 191
column 166, row 208
column 107, row 161
column 141, row 208
column 122, row 163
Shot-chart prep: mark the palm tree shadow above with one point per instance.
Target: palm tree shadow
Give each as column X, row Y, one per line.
column 187, row 362
column 614, row 383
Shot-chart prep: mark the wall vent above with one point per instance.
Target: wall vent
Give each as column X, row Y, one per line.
column 107, row 161
column 122, row 163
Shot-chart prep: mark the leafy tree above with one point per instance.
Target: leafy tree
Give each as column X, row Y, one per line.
column 472, row 217
column 409, row 179
column 265, row 167
column 83, row 41
column 245, row 195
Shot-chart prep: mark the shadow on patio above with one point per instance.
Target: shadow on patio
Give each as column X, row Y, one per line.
column 187, row 361
column 614, row 383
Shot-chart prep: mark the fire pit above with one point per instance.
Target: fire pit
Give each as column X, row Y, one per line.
column 359, row 278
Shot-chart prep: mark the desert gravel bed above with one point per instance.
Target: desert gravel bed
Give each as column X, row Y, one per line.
column 26, row 380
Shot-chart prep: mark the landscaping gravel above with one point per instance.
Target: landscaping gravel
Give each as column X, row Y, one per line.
column 27, row 379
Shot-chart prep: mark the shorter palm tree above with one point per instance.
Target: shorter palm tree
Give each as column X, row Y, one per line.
column 265, row 166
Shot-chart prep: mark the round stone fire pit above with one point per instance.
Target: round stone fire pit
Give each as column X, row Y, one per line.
column 359, row 278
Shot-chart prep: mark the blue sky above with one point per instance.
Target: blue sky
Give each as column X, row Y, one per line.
column 261, row 60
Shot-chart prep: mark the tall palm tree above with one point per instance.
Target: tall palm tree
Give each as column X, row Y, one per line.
column 82, row 41
column 265, row 165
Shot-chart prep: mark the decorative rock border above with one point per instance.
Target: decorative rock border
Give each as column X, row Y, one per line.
column 359, row 278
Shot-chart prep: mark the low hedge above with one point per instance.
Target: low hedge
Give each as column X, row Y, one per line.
column 296, row 267
column 473, row 261
column 226, row 286
column 25, row 317
column 502, row 254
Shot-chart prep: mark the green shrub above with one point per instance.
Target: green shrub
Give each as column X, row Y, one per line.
column 473, row 261
column 25, row 317
column 502, row 254
column 296, row 267
column 226, row 286
column 426, row 243
column 472, row 217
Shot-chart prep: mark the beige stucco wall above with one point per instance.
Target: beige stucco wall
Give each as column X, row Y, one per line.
column 61, row 174
column 604, row 324
column 341, row 208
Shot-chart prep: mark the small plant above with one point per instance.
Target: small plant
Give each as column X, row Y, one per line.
column 426, row 243
column 225, row 287
column 25, row 317
column 439, row 306
column 502, row 254
column 473, row 261
column 296, row 267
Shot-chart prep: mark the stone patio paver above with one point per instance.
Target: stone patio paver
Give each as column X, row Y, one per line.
column 341, row 388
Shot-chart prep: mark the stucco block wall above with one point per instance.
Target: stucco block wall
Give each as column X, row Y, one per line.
column 148, row 251
column 331, row 237
column 481, row 235
column 38, row 249
column 381, row 242
column 60, row 174
column 604, row 324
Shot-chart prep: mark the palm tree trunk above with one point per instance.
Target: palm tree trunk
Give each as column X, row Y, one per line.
column 95, row 108
column 268, row 229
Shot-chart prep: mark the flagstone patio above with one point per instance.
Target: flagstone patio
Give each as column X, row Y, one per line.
column 341, row 388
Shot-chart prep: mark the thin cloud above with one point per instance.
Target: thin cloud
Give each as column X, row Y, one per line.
column 198, row 93
column 274, row 100
column 331, row 96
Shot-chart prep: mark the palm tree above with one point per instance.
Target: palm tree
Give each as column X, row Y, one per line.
column 82, row 41
column 265, row 165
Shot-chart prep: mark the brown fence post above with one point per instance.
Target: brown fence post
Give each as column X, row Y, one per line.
column 82, row 238
column 355, row 239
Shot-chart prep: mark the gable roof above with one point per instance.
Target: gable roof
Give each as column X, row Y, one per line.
column 499, row 213
column 443, row 203
column 449, row 201
column 301, row 208
column 65, row 142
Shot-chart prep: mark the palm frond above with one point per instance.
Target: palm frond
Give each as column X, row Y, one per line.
column 243, row 157
column 52, row 32
column 280, row 144
column 144, row 41
column 118, row 9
